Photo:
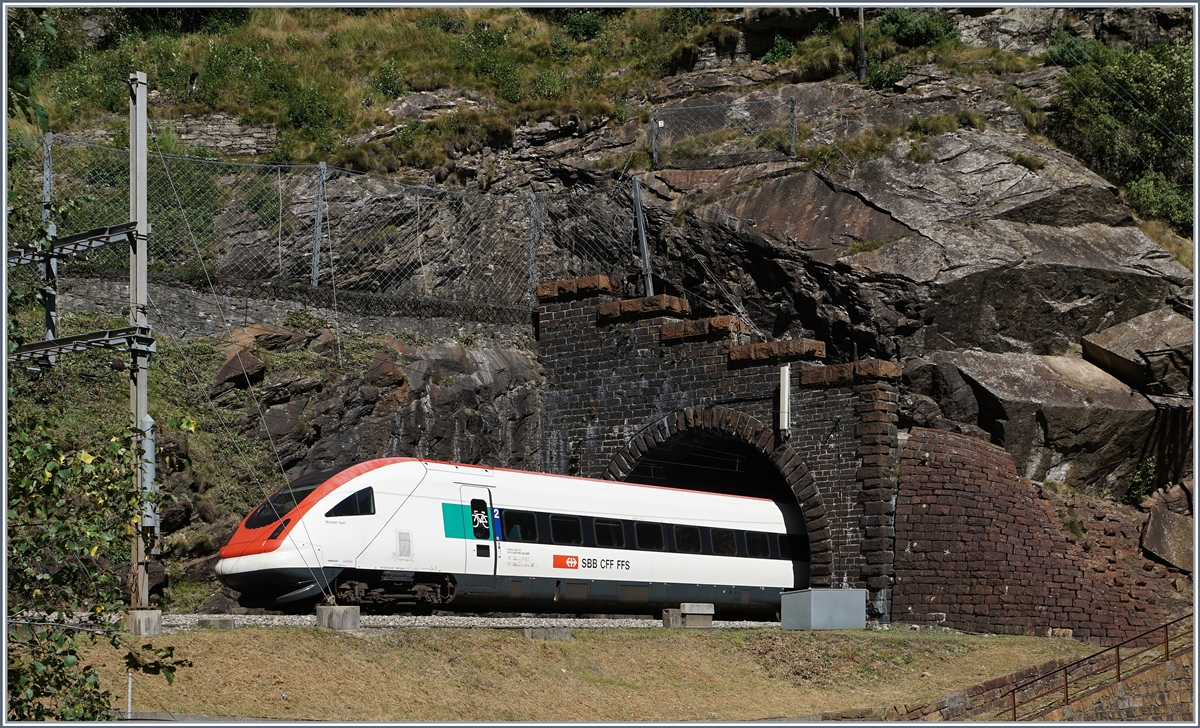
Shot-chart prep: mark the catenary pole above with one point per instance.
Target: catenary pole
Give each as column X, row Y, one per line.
column 139, row 371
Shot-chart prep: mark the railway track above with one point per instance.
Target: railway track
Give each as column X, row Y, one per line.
column 368, row 622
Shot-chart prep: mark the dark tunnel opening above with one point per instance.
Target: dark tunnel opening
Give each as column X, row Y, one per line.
column 719, row 463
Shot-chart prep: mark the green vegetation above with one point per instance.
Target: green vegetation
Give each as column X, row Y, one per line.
column 1028, row 161
column 1128, row 115
column 912, row 29
column 324, row 75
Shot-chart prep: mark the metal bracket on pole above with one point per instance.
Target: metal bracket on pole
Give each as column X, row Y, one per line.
column 316, row 258
column 647, row 277
column 785, row 401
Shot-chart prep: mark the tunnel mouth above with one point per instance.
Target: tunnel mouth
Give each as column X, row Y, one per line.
column 717, row 462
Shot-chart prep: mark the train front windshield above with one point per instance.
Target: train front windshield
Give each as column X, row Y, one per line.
column 287, row 498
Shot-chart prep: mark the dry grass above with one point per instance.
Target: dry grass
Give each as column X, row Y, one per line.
column 428, row 675
column 1161, row 233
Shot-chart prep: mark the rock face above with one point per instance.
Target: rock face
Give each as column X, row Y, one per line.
column 1027, row 31
column 1164, row 340
column 1059, row 418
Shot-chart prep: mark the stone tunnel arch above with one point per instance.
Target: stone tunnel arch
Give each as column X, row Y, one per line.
column 743, row 436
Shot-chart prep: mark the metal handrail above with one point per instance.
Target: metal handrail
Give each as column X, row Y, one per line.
column 1066, row 670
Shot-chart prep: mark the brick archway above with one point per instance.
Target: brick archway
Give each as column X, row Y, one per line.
column 760, row 436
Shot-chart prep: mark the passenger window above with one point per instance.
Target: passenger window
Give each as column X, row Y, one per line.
column 566, row 530
column 481, row 524
column 649, row 536
column 687, row 539
column 757, row 546
column 609, row 534
column 724, row 543
column 361, row 503
column 519, row 526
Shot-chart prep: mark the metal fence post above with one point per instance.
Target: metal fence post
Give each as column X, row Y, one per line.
column 50, row 269
column 654, row 137
column 647, row 277
column 316, row 257
column 793, row 146
column 533, row 252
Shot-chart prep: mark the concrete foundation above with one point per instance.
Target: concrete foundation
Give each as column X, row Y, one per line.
column 216, row 623
column 548, row 633
column 147, row 622
column 342, row 618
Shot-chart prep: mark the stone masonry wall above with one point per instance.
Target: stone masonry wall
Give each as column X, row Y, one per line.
column 979, row 549
column 612, row 384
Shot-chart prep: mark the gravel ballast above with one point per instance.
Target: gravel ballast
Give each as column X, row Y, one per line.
column 188, row 622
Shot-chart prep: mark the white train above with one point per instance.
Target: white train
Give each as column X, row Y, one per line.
column 409, row 534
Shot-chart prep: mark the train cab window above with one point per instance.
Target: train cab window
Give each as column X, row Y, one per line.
column 519, row 526
column 687, row 539
column 286, row 498
column 609, row 534
column 724, row 543
column 361, row 503
column 566, row 530
column 757, row 546
column 650, row 536
column 785, row 546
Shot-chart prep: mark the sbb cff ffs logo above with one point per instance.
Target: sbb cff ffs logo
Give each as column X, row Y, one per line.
column 566, row 562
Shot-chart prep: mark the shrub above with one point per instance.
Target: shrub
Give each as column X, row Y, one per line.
column 912, row 29
column 1128, row 116
column 881, row 77
column 780, row 51
column 1154, row 196
column 389, row 81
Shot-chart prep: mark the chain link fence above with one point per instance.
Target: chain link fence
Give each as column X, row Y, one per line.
column 368, row 242
column 724, row 135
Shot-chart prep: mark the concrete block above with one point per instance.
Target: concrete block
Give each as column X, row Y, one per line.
column 216, row 623
column 672, row 619
column 824, row 609
column 697, row 620
column 548, row 633
column 340, row 618
column 697, row 608
column 145, row 622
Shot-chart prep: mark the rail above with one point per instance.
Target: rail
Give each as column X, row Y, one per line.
column 1039, row 695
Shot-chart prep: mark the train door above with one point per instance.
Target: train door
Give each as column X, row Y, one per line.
column 480, row 541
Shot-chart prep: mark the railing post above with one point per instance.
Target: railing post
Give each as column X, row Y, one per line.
column 1167, row 642
column 1014, row 704
column 654, row 137
column 1066, row 690
column 316, row 258
column 1118, row 663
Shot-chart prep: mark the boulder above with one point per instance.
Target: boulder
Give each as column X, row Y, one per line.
column 269, row 337
column 1176, row 499
column 1163, row 336
column 1061, row 419
column 1169, row 537
column 241, row 369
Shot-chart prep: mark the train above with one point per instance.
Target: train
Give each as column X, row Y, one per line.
column 414, row 535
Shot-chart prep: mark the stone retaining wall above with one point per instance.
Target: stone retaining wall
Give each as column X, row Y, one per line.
column 979, row 549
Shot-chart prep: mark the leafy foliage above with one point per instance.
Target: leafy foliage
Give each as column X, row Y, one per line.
column 882, row 77
column 1128, row 115
column 68, row 523
column 781, row 50
column 912, row 29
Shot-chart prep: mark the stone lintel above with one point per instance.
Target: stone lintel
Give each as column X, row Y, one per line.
column 779, row 350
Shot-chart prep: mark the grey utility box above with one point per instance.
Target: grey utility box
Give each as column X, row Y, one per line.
column 824, row 609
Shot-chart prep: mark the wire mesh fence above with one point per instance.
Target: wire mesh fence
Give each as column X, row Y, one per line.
column 370, row 241
column 724, row 135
